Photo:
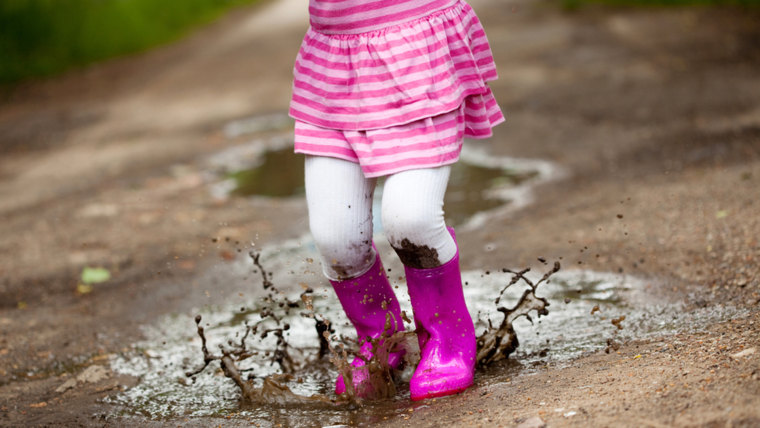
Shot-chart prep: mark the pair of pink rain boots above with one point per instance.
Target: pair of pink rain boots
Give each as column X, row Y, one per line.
column 445, row 330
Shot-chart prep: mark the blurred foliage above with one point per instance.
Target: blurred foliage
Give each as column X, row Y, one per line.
column 575, row 4
column 42, row 37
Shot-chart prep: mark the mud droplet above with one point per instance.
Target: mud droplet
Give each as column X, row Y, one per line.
column 617, row 322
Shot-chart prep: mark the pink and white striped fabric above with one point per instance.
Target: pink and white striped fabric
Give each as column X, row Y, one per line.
column 361, row 16
column 392, row 84
column 425, row 143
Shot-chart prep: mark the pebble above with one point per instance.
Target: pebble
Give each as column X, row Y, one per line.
column 745, row 353
column 534, row 422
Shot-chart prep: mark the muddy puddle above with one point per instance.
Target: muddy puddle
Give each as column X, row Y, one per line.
column 584, row 316
column 589, row 311
column 280, row 174
column 480, row 185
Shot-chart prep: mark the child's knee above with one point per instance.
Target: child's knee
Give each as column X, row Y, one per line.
column 341, row 258
column 411, row 231
column 418, row 235
column 406, row 222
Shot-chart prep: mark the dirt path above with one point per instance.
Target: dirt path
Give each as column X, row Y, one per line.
column 654, row 113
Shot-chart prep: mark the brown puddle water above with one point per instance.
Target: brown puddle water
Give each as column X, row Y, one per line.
column 279, row 173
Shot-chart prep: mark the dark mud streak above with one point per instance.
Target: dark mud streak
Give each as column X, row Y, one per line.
column 343, row 271
column 417, row 256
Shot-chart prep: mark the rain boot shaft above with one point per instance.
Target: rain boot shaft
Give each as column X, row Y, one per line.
column 445, row 331
column 366, row 300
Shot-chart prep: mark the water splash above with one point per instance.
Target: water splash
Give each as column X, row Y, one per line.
column 571, row 329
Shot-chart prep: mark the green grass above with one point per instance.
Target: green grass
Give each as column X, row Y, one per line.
column 574, row 4
column 44, row 37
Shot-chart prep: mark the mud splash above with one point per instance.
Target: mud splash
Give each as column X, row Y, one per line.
column 493, row 345
column 496, row 344
column 290, row 372
column 584, row 305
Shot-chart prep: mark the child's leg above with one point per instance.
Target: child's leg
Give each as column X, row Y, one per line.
column 339, row 198
column 340, row 217
column 413, row 219
column 412, row 216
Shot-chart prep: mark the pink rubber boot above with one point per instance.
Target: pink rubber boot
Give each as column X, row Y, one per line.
column 363, row 299
column 445, row 331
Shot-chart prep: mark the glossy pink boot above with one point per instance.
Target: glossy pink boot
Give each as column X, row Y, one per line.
column 366, row 300
column 445, row 331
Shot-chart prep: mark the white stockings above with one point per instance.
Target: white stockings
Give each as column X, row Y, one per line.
column 340, row 216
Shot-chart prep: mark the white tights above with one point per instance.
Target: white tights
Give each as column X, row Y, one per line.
column 339, row 198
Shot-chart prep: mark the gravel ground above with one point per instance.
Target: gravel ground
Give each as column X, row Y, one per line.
column 654, row 114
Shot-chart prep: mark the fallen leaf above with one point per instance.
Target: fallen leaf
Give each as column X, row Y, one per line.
column 84, row 288
column 38, row 405
column 93, row 374
column 70, row 383
column 95, row 275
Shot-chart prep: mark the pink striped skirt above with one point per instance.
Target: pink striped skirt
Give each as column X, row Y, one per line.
column 399, row 98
